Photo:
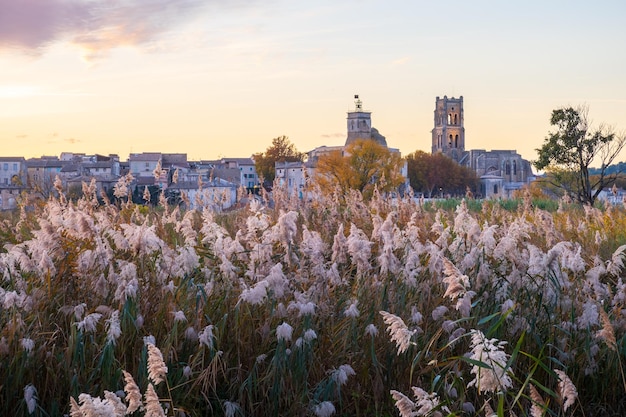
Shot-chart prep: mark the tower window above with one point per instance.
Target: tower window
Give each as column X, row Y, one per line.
column 456, row 141
column 450, row 141
column 455, row 119
column 450, row 118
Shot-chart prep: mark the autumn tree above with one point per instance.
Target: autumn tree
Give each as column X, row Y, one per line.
column 431, row 173
column 281, row 150
column 567, row 154
column 362, row 165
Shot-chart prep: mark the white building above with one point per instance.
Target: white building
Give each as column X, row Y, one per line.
column 144, row 164
column 294, row 175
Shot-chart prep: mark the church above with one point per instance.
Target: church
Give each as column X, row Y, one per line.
column 294, row 175
column 501, row 172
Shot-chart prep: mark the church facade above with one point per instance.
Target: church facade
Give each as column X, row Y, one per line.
column 501, row 172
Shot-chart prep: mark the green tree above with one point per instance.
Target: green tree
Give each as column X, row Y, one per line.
column 281, row 150
column 363, row 165
column 431, row 173
column 567, row 154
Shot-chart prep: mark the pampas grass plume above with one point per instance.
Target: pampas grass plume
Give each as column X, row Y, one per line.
column 405, row 406
column 153, row 406
column 156, row 367
column 536, row 409
column 399, row 332
column 567, row 389
column 133, row 395
column 607, row 333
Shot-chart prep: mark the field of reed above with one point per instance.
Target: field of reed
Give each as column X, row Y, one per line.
column 326, row 306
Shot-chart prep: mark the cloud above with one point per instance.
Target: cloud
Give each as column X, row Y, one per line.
column 333, row 135
column 94, row 25
column 400, row 61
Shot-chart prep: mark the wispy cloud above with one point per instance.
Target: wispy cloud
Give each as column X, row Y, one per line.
column 55, row 138
column 96, row 26
column 400, row 61
column 333, row 135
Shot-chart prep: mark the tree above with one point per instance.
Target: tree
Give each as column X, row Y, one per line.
column 281, row 150
column 430, row 173
column 567, row 154
column 363, row 165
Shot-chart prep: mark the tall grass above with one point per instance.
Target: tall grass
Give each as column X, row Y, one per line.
column 276, row 311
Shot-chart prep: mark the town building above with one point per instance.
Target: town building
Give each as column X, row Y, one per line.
column 13, row 180
column 501, row 172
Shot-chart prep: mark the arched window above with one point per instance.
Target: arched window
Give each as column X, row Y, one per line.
column 450, row 118
column 456, row 141
column 455, row 120
column 514, row 167
column 450, row 142
column 495, row 188
column 507, row 167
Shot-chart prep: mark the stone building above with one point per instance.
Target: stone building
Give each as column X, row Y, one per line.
column 500, row 171
column 360, row 125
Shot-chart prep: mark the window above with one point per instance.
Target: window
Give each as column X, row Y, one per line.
column 15, row 167
column 495, row 188
column 456, row 141
column 5, row 166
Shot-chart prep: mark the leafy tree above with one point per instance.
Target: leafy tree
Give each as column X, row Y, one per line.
column 363, row 165
column 567, row 154
column 431, row 173
column 281, row 150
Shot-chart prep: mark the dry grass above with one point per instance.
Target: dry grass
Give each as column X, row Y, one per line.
column 545, row 288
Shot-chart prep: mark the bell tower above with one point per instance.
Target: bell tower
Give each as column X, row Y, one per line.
column 449, row 131
column 359, row 122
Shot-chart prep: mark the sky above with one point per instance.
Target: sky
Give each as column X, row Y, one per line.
column 221, row 78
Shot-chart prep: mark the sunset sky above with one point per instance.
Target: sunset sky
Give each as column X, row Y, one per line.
column 222, row 78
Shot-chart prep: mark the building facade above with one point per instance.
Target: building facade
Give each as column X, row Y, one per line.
column 501, row 172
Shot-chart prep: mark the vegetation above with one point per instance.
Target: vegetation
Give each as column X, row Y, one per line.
column 568, row 154
column 315, row 307
column 436, row 174
column 281, row 150
column 363, row 166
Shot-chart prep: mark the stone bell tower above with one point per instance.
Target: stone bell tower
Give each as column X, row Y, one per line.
column 360, row 125
column 449, row 131
column 359, row 122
